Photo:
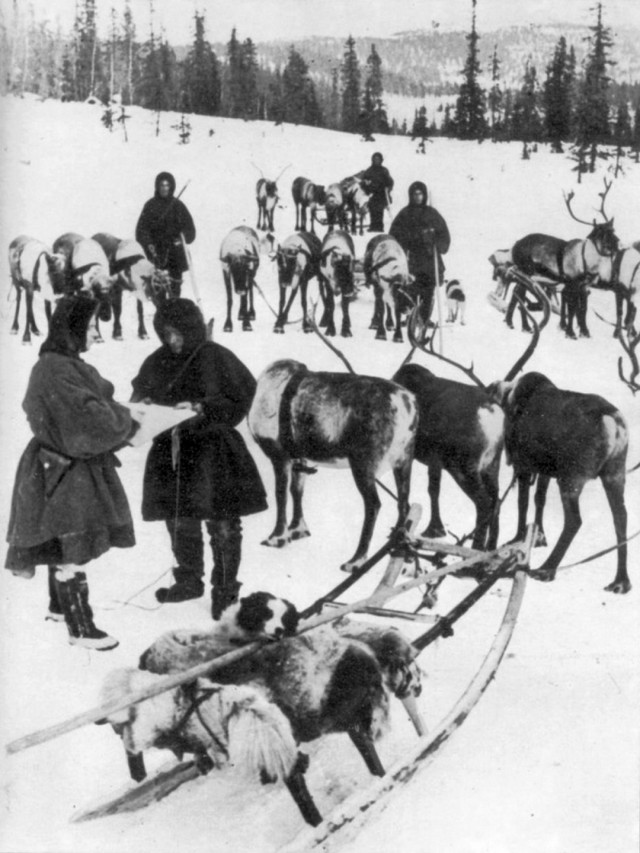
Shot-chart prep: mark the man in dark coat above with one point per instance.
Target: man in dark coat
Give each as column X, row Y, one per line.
column 202, row 470
column 68, row 505
column 377, row 181
column 163, row 223
column 424, row 236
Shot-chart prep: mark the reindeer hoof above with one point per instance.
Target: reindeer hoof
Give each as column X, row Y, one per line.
column 381, row 335
column 144, row 336
column 434, row 531
column 351, row 565
column 619, row 587
column 299, row 533
column 398, row 339
column 275, row 541
column 346, row 333
column 571, row 335
column 117, row 337
column 541, row 540
column 246, row 326
column 544, row 575
column 278, row 330
column 585, row 333
column 227, row 327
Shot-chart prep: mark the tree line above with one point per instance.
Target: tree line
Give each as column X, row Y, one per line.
column 581, row 106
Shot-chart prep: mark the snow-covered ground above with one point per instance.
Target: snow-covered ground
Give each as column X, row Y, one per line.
column 548, row 761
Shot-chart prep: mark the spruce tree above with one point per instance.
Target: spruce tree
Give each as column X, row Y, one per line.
column 350, row 76
column 201, row 75
column 526, row 122
column 592, row 122
column 495, row 97
column 375, row 118
column 248, row 80
column 299, row 103
column 470, row 121
column 557, row 96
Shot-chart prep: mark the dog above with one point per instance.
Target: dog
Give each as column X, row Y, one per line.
column 456, row 301
column 257, row 616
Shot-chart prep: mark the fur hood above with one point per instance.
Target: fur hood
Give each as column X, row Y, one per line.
column 418, row 185
column 185, row 316
column 165, row 176
column 69, row 325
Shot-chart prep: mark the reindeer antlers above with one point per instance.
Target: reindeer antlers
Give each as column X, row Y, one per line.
column 568, row 198
column 416, row 344
column 534, row 288
column 629, row 346
column 282, row 172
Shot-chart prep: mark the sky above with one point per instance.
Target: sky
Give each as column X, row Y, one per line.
column 264, row 20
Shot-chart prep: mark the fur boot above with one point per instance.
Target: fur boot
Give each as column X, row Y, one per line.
column 73, row 595
column 226, row 543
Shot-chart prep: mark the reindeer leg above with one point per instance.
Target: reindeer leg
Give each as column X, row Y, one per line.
column 281, row 469
column 364, row 478
column 297, row 786
column 570, row 493
column 614, row 489
column 330, row 307
column 116, row 304
column 306, row 325
column 280, row 320
column 142, row 329
column 376, row 319
column 435, row 528
column 397, row 335
column 252, row 311
column 243, row 314
column 28, row 298
column 228, row 325
column 540, row 500
column 346, row 319
column 583, row 304
column 298, row 528
column 524, row 484
column 15, row 326
column 324, row 295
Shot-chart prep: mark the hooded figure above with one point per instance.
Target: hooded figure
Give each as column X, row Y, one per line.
column 202, row 470
column 162, row 224
column 377, row 181
column 68, row 505
column 421, row 230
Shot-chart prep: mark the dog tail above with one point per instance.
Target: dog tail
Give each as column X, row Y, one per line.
column 260, row 737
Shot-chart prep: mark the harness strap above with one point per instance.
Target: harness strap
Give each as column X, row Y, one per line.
column 290, row 390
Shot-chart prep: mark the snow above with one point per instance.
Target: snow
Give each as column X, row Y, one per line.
column 548, row 760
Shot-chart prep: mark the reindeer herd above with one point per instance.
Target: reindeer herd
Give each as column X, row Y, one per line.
column 300, row 418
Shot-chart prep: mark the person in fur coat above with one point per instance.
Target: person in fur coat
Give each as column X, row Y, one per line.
column 208, row 474
column 68, row 505
column 163, row 222
column 422, row 232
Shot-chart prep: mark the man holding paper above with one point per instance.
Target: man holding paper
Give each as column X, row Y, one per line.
column 201, row 470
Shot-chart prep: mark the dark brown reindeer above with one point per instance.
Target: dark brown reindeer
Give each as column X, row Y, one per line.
column 576, row 264
column 306, row 196
column 298, row 259
column 267, row 198
column 298, row 416
column 573, row 438
column 240, row 256
column 131, row 271
column 386, row 268
column 337, row 261
column 34, row 268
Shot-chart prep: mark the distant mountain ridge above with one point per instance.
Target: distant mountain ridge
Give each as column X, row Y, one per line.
column 418, row 62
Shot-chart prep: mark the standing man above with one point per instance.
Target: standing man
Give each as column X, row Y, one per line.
column 163, row 223
column 378, row 182
column 201, row 471
column 423, row 234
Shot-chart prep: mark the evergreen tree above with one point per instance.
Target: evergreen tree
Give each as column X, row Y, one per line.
column 350, row 76
column 232, row 85
column 592, row 123
column 526, row 122
column 557, row 95
column 622, row 133
column 248, row 80
column 495, row 97
column 201, row 75
column 470, row 121
column 87, row 55
column 635, row 135
column 374, row 114
column 334, row 118
column 300, row 105
column 131, row 72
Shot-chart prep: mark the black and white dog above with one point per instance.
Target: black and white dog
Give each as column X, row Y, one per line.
column 456, row 301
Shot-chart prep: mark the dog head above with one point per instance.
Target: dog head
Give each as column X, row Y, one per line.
column 264, row 615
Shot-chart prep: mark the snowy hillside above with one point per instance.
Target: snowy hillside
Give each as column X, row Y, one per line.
column 548, row 761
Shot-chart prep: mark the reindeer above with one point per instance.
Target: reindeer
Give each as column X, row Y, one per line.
column 267, row 199
column 240, row 256
column 369, row 423
column 576, row 263
column 623, row 278
column 386, row 267
column 355, row 202
column 306, row 194
column 337, row 260
column 130, row 270
column 298, row 259
column 556, row 433
column 333, row 206
column 33, row 267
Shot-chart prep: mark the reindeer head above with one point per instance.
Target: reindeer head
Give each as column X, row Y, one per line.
column 604, row 239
